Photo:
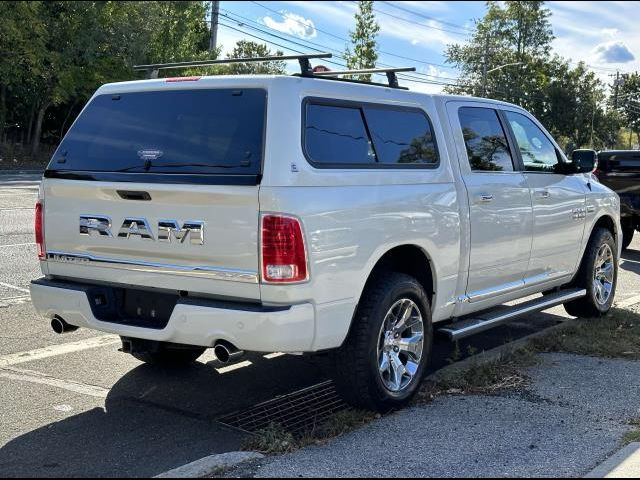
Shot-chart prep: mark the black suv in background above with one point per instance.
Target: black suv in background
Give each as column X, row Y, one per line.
column 620, row 171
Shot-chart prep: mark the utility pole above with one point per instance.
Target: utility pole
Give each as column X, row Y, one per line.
column 616, row 85
column 213, row 39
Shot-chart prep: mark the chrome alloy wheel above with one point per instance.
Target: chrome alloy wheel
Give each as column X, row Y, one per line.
column 400, row 345
column 603, row 274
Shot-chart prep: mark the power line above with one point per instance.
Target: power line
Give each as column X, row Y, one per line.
column 344, row 39
column 419, row 14
column 229, row 15
column 413, row 22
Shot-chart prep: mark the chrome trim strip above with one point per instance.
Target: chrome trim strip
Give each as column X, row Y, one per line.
column 514, row 286
column 215, row 273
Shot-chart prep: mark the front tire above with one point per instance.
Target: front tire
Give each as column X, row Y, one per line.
column 382, row 363
column 598, row 274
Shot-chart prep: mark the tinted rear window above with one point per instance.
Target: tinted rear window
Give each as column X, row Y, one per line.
column 182, row 131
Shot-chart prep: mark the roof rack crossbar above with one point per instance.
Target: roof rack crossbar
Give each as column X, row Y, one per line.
column 389, row 72
column 305, row 65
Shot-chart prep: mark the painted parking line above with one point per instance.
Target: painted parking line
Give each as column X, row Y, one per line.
column 20, row 289
column 56, row 350
column 271, row 356
column 11, row 301
column 235, row 366
column 40, row 378
column 17, row 245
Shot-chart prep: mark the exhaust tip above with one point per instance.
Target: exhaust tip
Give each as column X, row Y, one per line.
column 222, row 353
column 225, row 352
column 60, row 326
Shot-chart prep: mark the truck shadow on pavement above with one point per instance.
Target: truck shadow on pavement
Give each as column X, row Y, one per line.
column 152, row 421
column 156, row 420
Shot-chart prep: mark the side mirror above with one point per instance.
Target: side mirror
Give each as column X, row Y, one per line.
column 584, row 161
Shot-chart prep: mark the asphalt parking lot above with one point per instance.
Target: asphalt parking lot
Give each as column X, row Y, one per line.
column 72, row 405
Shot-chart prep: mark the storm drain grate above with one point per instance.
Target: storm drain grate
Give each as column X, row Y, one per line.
column 296, row 412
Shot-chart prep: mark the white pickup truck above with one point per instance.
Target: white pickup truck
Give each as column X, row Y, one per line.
column 309, row 213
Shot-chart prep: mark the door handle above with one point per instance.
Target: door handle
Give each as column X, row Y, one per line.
column 485, row 198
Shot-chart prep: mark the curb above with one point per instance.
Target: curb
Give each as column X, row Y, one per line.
column 208, row 465
column 495, row 353
column 623, row 464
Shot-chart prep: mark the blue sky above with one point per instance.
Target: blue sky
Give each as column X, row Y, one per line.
column 606, row 35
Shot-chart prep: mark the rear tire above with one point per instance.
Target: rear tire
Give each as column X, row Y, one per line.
column 382, row 362
column 598, row 274
column 168, row 356
column 627, row 236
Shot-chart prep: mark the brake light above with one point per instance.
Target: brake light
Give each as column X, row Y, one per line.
column 182, row 79
column 39, row 229
column 284, row 257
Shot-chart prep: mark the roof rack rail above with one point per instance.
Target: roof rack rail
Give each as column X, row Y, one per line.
column 305, row 65
column 390, row 72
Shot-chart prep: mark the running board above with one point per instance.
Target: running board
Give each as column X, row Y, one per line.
column 477, row 323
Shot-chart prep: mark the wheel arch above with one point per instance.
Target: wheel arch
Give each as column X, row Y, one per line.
column 405, row 258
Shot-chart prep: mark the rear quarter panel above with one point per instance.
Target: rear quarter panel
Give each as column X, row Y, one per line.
column 351, row 218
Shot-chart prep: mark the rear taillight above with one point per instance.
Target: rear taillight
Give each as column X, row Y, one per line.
column 284, row 257
column 39, row 229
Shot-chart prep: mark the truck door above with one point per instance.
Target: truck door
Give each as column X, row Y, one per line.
column 499, row 198
column 559, row 202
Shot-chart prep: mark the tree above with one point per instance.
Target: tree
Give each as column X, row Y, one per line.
column 629, row 95
column 363, row 41
column 248, row 49
column 568, row 100
column 518, row 32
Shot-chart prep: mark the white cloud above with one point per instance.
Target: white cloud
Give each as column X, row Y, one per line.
column 292, row 24
column 613, row 52
column 610, row 32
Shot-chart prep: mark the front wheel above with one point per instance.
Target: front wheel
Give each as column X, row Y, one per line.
column 382, row 363
column 598, row 274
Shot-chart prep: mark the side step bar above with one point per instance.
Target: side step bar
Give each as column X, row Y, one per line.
column 480, row 322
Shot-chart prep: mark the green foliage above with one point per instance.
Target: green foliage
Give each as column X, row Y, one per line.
column 629, row 101
column 55, row 54
column 248, row 49
column 363, row 41
column 568, row 100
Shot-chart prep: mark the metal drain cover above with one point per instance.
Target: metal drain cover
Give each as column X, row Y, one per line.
column 296, row 412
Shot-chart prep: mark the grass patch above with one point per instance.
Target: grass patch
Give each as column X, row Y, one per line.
column 486, row 377
column 271, row 440
column 499, row 374
column 633, row 435
column 275, row 439
column 616, row 335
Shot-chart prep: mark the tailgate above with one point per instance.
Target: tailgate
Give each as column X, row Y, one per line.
column 196, row 238
column 159, row 188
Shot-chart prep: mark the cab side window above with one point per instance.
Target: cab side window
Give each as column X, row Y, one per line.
column 485, row 139
column 347, row 134
column 538, row 153
column 337, row 135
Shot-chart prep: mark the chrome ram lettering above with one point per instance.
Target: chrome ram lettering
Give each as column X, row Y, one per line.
column 170, row 229
column 135, row 227
column 95, row 225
